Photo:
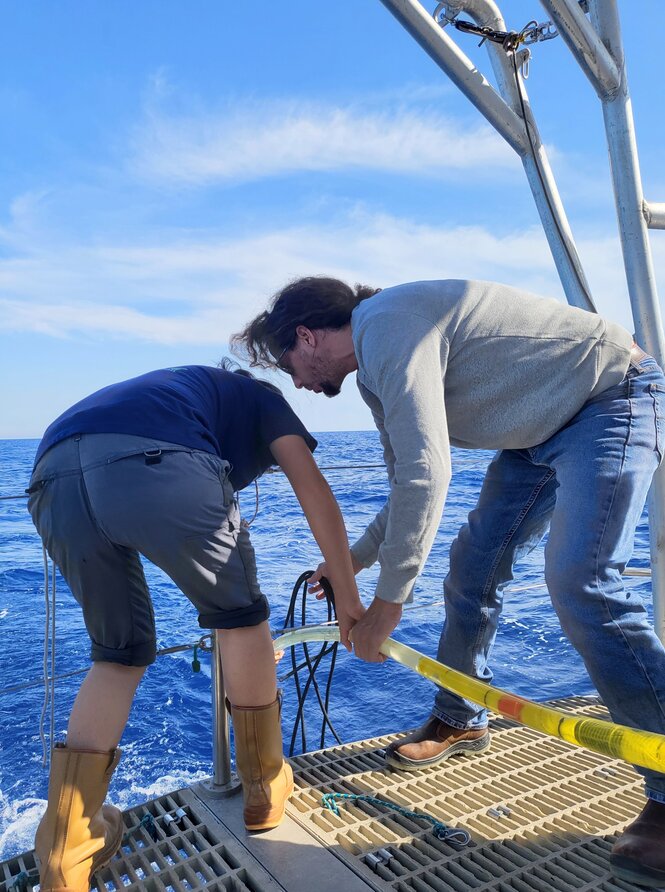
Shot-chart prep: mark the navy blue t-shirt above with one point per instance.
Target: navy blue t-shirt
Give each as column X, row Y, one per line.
column 201, row 407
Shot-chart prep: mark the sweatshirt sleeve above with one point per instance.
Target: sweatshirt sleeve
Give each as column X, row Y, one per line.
column 366, row 549
column 401, row 363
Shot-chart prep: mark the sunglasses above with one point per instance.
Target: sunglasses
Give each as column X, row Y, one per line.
column 282, row 366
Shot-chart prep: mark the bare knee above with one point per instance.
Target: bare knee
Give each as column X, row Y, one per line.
column 116, row 672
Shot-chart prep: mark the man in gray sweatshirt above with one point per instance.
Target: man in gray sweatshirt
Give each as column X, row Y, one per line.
column 575, row 411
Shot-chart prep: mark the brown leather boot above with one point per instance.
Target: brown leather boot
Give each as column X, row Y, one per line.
column 638, row 855
column 267, row 779
column 434, row 742
column 78, row 834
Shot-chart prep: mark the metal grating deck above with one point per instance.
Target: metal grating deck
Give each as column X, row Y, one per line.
column 193, row 853
column 542, row 815
column 198, row 853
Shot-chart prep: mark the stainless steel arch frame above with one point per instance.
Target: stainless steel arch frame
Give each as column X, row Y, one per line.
column 596, row 44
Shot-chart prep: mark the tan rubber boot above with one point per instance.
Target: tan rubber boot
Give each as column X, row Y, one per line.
column 267, row 779
column 78, row 834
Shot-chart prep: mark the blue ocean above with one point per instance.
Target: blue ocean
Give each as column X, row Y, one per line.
column 167, row 743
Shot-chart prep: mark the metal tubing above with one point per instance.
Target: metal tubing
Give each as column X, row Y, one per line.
column 538, row 171
column 504, row 113
column 654, row 214
column 629, row 198
column 585, row 44
column 558, row 234
column 487, row 14
column 223, row 782
column 459, row 68
column 221, row 740
column 633, row 231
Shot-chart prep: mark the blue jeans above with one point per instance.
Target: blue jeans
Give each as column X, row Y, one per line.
column 588, row 483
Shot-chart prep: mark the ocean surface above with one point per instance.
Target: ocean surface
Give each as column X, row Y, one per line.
column 167, row 743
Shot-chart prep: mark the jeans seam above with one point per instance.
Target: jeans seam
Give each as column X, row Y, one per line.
column 653, row 390
column 599, row 583
column 502, row 550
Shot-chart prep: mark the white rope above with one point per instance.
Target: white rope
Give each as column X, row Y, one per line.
column 47, row 605
column 278, row 470
column 629, row 571
column 268, row 471
column 52, row 737
column 164, row 651
column 248, row 523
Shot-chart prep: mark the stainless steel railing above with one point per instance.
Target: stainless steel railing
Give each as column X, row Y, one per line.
column 223, row 782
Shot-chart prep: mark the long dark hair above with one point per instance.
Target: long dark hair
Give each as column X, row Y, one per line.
column 314, row 301
column 230, row 365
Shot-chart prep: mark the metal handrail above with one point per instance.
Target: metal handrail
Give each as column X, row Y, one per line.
column 597, row 46
column 510, row 116
column 223, row 782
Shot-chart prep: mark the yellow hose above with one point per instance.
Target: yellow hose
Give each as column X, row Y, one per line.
column 642, row 748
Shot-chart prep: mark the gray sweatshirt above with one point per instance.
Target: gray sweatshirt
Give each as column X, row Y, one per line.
column 475, row 364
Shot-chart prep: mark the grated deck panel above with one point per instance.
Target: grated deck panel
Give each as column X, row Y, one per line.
column 194, row 853
column 542, row 814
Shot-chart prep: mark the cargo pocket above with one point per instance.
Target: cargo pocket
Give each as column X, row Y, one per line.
column 36, row 493
column 230, row 499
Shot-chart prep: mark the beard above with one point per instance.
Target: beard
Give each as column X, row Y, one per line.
column 330, row 389
column 328, row 376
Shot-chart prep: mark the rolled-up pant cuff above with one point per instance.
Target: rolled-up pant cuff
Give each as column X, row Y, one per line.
column 251, row 615
column 143, row 654
column 476, row 724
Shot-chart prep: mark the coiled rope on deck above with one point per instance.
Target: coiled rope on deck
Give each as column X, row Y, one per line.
column 643, row 748
column 455, row 835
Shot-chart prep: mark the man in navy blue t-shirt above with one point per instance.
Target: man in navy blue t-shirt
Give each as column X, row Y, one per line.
column 150, row 466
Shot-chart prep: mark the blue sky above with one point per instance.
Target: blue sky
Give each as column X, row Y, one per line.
column 165, row 166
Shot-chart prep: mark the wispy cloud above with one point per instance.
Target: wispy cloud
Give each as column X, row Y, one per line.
column 195, row 290
column 64, row 320
column 253, row 140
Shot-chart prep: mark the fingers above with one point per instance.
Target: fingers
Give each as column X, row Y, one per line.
column 345, row 640
column 363, row 646
column 314, row 579
column 378, row 622
column 314, row 584
column 347, row 619
column 315, row 588
column 345, row 632
column 370, row 654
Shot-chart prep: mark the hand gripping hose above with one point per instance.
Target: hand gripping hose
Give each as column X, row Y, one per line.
column 642, row 748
